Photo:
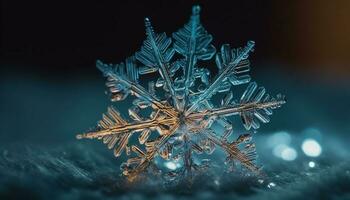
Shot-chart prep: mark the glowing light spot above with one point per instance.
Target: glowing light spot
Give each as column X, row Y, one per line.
column 312, row 164
column 170, row 165
column 216, row 182
column 311, row 148
column 289, row 154
column 277, row 151
column 261, row 181
column 271, row 185
column 281, row 137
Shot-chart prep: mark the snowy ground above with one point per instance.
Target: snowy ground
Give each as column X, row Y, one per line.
column 40, row 158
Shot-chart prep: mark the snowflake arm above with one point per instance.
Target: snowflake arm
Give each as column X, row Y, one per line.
column 254, row 102
column 245, row 158
column 156, row 51
column 112, row 127
column 193, row 42
column 227, row 69
column 126, row 85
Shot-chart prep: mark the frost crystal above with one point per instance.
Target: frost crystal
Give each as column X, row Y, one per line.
column 183, row 113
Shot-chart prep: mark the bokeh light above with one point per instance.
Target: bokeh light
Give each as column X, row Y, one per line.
column 170, row 165
column 289, row 154
column 280, row 142
column 271, row 185
column 311, row 148
column 285, row 152
column 281, row 137
column 312, row 164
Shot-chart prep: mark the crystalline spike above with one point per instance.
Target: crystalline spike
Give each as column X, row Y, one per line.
column 248, row 92
column 226, row 133
column 133, row 113
column 250, row 147
column 227, row 99
column 244, row 66
column 102, row 124
column 121, row 145
column 198, row 149
column 113, row 141
column 147, row 70
column 224, row 87
column 151, row 88
column 225, row 54
column 107, row 120
column 137, row 150
column 247, row 120
column 131, row 69
column 132, row 161
column 144, row 136
column 106, row 139
column 258, row 94
column 255, row 122
column 262, row 116
column 179, row 113
column 105, row 69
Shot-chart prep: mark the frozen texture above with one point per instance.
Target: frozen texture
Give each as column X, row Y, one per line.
column 176, row 118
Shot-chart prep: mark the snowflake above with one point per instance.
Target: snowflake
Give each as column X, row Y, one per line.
column 182, row 113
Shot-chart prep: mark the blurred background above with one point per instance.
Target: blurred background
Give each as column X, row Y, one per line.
column 51, row 90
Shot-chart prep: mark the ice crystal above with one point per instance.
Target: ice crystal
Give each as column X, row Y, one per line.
column 186, row 119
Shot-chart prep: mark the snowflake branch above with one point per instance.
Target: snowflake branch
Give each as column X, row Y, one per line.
column 235, row 109
column 233, row 151
column 132, row 127
column 190, row 58
column 193, row 42
column 149, row 156
column 224, row 74
column 158, row 45
column 134, row 87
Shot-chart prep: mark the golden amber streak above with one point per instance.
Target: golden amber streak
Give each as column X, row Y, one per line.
column 229, row 110
column 127, row 128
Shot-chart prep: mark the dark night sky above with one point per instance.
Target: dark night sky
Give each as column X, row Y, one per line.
column 64, row 37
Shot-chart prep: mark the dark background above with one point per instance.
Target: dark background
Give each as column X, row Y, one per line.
column 51, row 90
column 56, row 38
